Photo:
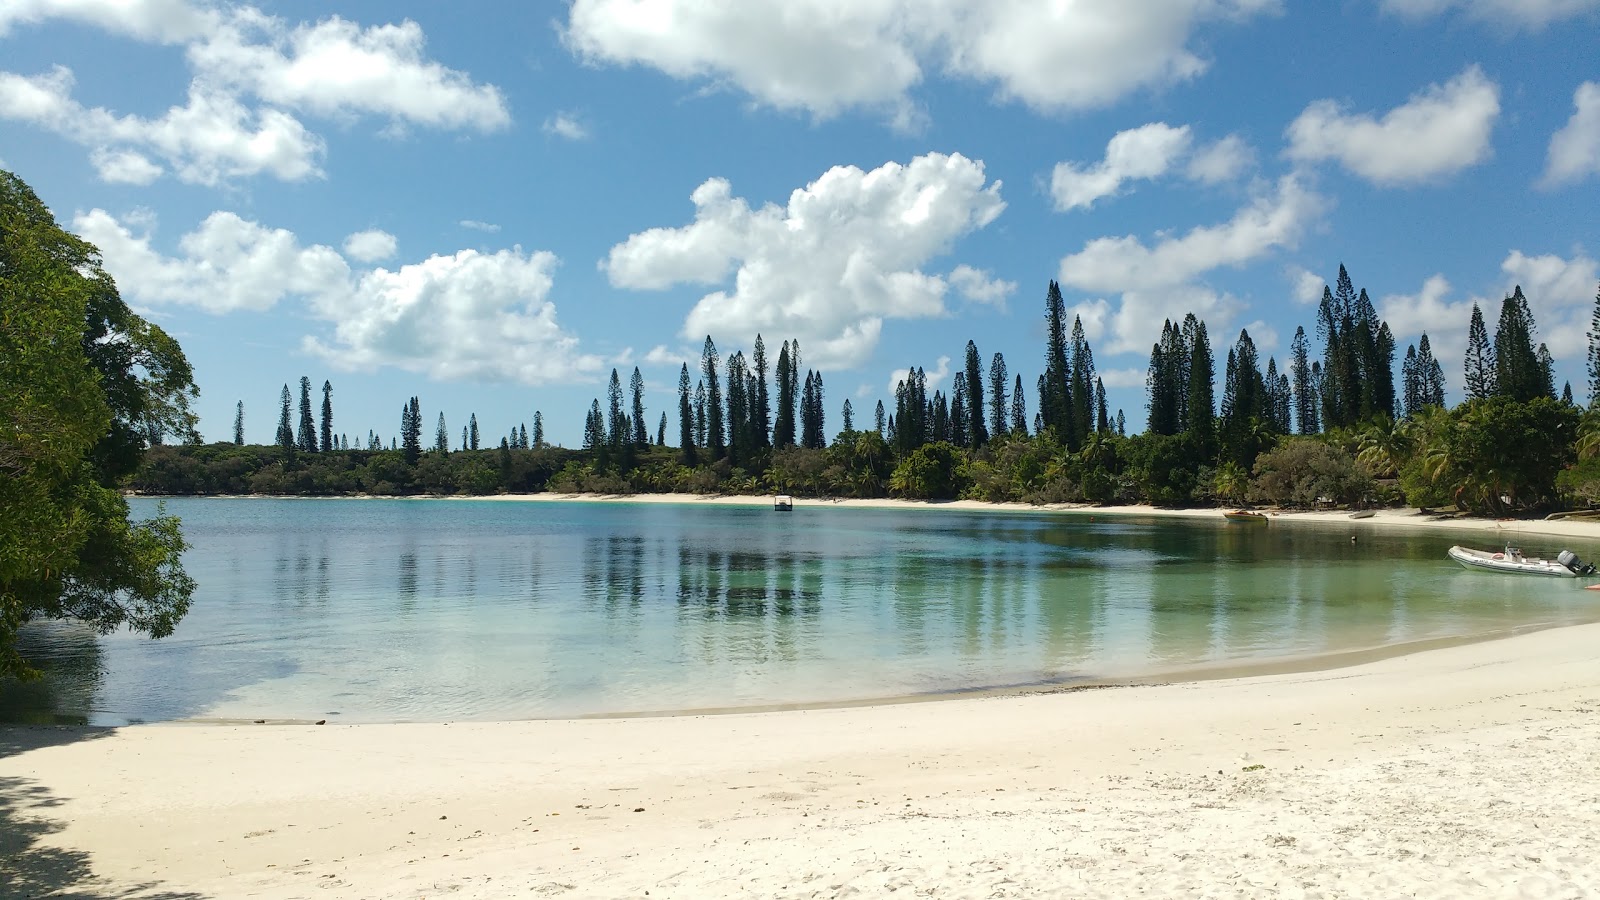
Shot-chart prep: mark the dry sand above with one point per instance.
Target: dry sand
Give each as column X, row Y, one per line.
column 1489, row 530
column 1468, row 771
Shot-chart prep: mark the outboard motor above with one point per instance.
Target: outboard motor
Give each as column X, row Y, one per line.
column 1571, row 561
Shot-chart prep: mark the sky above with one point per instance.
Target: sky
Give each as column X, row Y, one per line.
column 491, row 206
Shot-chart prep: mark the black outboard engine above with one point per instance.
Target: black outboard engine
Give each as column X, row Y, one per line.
column 1571, row 561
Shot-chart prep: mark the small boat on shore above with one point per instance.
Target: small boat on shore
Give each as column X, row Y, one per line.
column 1565, row 565
column 1364, row 514
column 1245, row 517
column 783, row 503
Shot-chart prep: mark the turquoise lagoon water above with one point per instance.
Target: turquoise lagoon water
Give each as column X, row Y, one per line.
column 439, row 610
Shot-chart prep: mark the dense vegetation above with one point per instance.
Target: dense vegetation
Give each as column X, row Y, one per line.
column 85, row 386
column 1337, row 429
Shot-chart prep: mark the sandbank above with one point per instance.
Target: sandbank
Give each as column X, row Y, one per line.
column 1457, row 772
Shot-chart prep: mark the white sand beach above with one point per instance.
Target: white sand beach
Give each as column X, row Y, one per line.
column 1494, row 529
column 1469, row 771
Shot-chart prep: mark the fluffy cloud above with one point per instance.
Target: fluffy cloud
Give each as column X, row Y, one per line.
column 1159, row 282
column 336, row 68
column 250, row 70
column 166, row 21
column 933, row 378
column 565, row 125
column 824, row 57
column 1138, row 153
column 1439, row 131
column 1124, row 263
column 370, row 246
column 1560, row 293
column 1124, row 378
column 1144, row 153
column 1530, row 14
column 1575, row 149
column 979, row 287
column 828, row 268
column 485, row 227
column 470, row 315
column 1305, row 286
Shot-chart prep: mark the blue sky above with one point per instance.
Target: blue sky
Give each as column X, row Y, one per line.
column 490, row 208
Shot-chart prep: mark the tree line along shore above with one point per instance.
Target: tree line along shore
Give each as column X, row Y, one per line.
column 1340, row 428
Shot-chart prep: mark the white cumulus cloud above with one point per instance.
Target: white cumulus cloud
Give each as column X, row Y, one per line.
column 1437, row 132
column 978, row 286
column 251, row 73
column 1532, row 15
column 1221, row 161
column 1575, row 149
column 1304, row 285
column 373, row 245
column 566, row 125
column 1162, row 281
column 933, row 378
column 825, row 56
column 468, row 315
column 1138, row 153
column 485, row 227
column 828, row 268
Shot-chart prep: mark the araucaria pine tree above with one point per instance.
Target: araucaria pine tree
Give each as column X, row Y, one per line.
column 716, row 438
column 1594, row 352
column 411, row 431
column 1305, row 395
column 538, row 429
column 1479, row 364
column 1519, row 373
column 999, row 411
column 238, row 424
column 441, row 436
column 685, row 418
column 849, row 416
column 306, row 437
column 760, row 402
column 1055, row 396
column 1019, row 409
column 783, row 425
column 641, row 438
column 326, row 439
column 472, row 431
column 285, row 436
column 976, row 424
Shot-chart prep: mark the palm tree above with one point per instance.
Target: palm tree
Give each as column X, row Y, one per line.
column 1383, row 446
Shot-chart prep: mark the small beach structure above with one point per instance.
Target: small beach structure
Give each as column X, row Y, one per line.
column 783, row 503
column 1511, row 560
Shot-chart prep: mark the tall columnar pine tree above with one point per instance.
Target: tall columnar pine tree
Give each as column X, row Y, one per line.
column 238, row 424
column 441, row 436
column 1594, row 352
column 411, row 431
column 1102, row 412
column 716, row 436
column 700, row 413
column 538, row 429
column 1305, row 397
column 741, row 444
column 326, row 442
column 686, row 439
column 760, row 401
column 1430, row 374
column 1242, row 403
column 1382, row 373
column 1019, row 409
column 285, row 436
column 1082, row 392
column 977, row 423
column 306, row 437
column 1055, row 398
column 1122, row 424
column 661, row 432
column 1410, row 383
column 472, row 431
column 878, row 419
column 1200, row 406
column 464, row 443
column 641, row 437
column 999, row 382
column 1519, row 372
column 1479, row 365
column 617, row 431
column 940, row 417
column 958, row 433
column 594, row 428
column 783, row 425
column 1566, row 394
column 849, row 416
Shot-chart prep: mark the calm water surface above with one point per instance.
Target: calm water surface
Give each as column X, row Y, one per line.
column 397, row 610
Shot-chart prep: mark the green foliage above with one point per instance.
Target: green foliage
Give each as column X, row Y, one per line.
column 84, row 384
column 1303, row 471
column 1505, row 455
column 1163, row 468
column 929, row 473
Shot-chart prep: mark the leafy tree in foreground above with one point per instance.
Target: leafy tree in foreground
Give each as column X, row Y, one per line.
column 82, row 381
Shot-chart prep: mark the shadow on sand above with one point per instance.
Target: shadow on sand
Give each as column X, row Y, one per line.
column 30, row 865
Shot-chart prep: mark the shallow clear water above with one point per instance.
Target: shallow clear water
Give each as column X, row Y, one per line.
column 388, row 610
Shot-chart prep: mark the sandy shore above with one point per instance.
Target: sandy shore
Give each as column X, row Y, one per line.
column 1462, row 772
column 1383, row 518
